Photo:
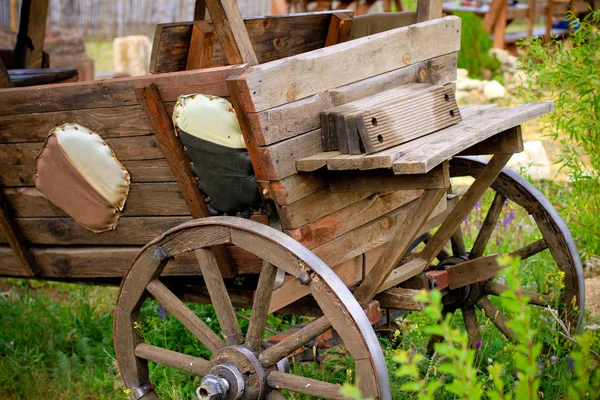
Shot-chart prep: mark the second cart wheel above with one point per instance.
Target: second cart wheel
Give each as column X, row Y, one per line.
column 242, row 367
column 518, row 198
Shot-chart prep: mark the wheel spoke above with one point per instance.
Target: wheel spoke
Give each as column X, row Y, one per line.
column 470, row 318
column 464, row 206
column 458, row 243
column 530, row 250
column 496, row 316
column 296, row 340
column 219, row 297
column 497, row 289
column 195, row 325
column 260, row 306
column 489, row 223
column 299, row 384
column 194, row 365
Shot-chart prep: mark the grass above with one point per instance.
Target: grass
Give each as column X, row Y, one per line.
column 56, row 339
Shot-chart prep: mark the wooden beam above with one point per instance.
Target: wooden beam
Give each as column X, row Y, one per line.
column 201, row 48
column 491, row 17
column 500, row 26
column 32, row 30
column 5, row 81
column 15, row 239
column 339, row 29
column 473, row 271
column 180, row 165
column 231, row 31
column 200, row 10
column 549, row 16
column 429, row 9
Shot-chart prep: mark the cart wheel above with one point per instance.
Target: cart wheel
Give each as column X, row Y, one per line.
column 242, row 368
column 510, row 189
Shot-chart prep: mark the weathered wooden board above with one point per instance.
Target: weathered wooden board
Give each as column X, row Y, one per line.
column 272, row 38
column 145, row 199
column 316, row 206
column 141, row 171
column 393, row 117
column 301, row 116
column 65, row 231
column 280, row 158
column 298, row 186
column 125, row 148
column 421, row 155
column 107, row 262
column 282, row 81
column 108, row 122
column 351, row 217
column 116, row 92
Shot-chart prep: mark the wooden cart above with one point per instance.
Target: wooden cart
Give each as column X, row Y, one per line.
column 351, row 232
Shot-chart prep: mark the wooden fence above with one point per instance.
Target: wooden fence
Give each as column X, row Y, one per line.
column 106, row 19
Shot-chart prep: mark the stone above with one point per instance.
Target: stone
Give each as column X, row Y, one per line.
column 532, row 162
column 131, row 54
column 493, row 90
column 591, row 267
column 509, row 62
column 461, row 74
column 469, row 84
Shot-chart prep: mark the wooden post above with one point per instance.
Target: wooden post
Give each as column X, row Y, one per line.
column 339, row 29
column 231, row 31
column 200, row 10
column 180, row 165
column 201, row 48
column 530, row 17
column 500, row 27
column 13, row 16
column 429, row 9
column 15, row 239
column 549, row 16
column 30, row 40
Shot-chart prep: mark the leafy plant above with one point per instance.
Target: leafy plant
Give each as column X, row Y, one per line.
column 475, row 45
column 568, row 72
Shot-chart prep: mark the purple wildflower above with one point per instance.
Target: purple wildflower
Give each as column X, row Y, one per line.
column 478, row 345
column 478, row 205
column 553, row 359
column 161, row 312
column 520, row 227
column 515, row 374
column 497, row 241
column 508, row 219
column 544, row 319
column 571, row 364
column 516, row 382
column 540, row 367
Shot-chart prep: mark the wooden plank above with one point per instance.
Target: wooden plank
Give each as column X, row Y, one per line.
column 280, row 159
column 126, row 149
column 315, row 162
column 301, row 116
column 13, row 235
column 145, row 199
column 272, row 38
column 400, row 299
column 315, row 206
column 339, row 29
column 351, row 217
column 162, row 125
column 473, row 271
column 509, row 141
column 231, row 31
column 65, row 231
column 384, row 180
column 201, row 48
column 396, row 116
column 298, row 186
column 5, row 81
column 283, row 81
column 115, row 92
column 429, row 9
column 32, row 30
column 142, row 171
column 500, row 26
column 491, row 17
column 108, row 122
column 109, row 262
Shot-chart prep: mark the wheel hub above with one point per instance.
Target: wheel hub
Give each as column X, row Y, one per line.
column 463, row 297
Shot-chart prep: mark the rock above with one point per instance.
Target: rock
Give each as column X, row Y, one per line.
column 494, row 90
column 509, row 62
column 469, row 84
column 461, row 74
column 591, row 267
column 533, row 161
column 131, row 54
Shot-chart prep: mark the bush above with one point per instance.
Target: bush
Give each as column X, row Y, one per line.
column 569, row 73
column 475, row 45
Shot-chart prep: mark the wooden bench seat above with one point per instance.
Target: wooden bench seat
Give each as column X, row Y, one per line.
column 421, row 155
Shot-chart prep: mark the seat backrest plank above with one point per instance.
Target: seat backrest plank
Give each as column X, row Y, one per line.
column 298, row 117
column 272, row 38
column 278, row 82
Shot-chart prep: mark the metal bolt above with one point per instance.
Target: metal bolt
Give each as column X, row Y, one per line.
column 212, row 387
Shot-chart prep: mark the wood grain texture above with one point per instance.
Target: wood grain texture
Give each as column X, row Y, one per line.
column 145, row 199
column 301, row 116
column 5, row 81
column 283, row 81
column 339, row 29
column 183, row 362
column 473, row 271
column 13, row 235
column 201, row 48
column 300, row 384
column 429, row 9
column 508, row 142
column 298, row 186
column 272, row 38
column 231, row 31
column 117, row 92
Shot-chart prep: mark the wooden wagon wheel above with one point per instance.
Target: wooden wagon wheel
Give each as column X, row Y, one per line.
column 510, row 189
column 242, row 367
